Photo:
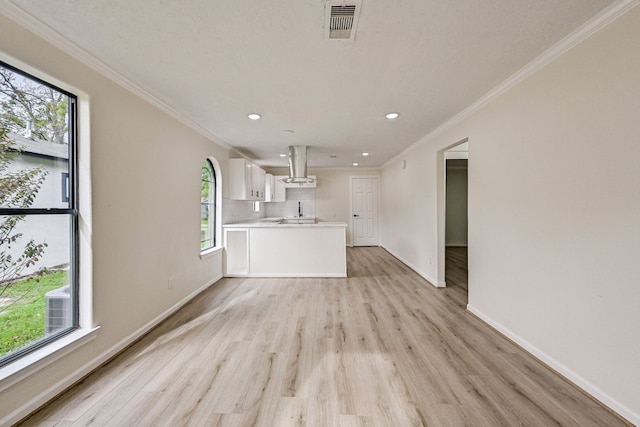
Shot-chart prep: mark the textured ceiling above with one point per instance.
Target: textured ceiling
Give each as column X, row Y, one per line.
column 217, row 61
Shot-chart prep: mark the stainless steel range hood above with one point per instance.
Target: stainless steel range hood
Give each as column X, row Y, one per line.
column 298, row 165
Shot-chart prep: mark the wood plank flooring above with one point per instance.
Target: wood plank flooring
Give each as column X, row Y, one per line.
column 381, row 348
column 456, row 274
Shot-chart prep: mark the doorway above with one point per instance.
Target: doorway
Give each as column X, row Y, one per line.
column 456, row 223
column 452, row 255
column 364, row 211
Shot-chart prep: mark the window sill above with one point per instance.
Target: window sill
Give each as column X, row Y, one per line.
column 210, row 252
column 39, row 359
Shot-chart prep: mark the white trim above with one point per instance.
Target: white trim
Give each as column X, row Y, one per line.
column 456, row 155
column 71, row 342
column 45, row 396
column 560, row 368
column 586, row 30
column 151, row 324
column 218, row 172
column 58, row 40
column 441, row 207
column 33, row 362
column 35, row 72
column 331, row 275
column 208, row 253
column 422, row 274
column 85, row 210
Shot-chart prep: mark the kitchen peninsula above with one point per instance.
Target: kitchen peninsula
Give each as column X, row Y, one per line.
column 277, row 248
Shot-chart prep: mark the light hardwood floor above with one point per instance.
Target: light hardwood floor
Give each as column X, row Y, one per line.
column 381, row 348
column 456, row 274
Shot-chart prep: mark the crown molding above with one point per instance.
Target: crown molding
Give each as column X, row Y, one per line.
column 42, row 30
column 586, row 30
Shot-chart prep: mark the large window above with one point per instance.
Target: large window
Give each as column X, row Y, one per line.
column 207, row 207
column 38, row 214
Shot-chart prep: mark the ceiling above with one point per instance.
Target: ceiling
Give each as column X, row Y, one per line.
column 216, row 61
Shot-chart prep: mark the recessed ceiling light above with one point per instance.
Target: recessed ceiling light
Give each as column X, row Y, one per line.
column 283, row 155
column 365, row 154
column 254, row 116
column 355, row 163
column 392, row 115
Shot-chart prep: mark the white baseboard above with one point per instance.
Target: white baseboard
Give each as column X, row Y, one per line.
column 561, row 369
column 271, row 275
column 422, row 274
column 42, row 398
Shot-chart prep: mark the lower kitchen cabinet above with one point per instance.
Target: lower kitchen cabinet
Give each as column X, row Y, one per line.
column 236, row 251
column 286, row 250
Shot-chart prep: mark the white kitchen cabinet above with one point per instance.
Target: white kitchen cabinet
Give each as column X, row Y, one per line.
column 236, row 251
column 269, row 188
column 280, row 191
column 246, row 180
column 258, row 182
column 271, row 254
column 264, row 249
column 240, row 177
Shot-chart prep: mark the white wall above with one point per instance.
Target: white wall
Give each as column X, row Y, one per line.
column 554, row 211
column 145, row 172
column 408, row 211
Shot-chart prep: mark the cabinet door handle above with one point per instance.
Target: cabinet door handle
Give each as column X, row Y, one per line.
column 355, row 215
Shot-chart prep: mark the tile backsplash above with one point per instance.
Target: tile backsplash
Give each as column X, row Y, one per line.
column 240, row 210
column 306, row 197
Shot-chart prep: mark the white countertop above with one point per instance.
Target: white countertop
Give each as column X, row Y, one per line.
column 273, row 222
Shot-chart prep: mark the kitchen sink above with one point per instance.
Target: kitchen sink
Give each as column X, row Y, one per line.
column 298, row 221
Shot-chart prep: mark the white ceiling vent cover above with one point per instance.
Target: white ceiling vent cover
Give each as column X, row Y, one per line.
column 341, row 20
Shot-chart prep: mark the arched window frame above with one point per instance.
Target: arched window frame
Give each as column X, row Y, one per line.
column 211, row 237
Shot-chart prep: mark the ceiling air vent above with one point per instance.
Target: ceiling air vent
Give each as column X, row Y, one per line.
column 342, row 20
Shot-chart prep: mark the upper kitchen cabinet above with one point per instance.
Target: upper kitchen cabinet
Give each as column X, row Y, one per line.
column 246, row 180
column 279, row 191
column 269, row 188
column 258, row 182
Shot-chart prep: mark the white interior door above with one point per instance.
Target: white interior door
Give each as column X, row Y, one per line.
column 364, row 211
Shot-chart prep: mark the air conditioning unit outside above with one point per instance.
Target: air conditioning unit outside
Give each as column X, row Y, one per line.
column 58, row 310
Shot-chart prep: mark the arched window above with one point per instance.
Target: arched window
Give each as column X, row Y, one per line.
column 207, row 207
